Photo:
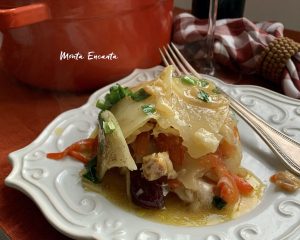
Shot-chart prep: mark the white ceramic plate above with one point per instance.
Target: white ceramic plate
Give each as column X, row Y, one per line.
column 56, row 188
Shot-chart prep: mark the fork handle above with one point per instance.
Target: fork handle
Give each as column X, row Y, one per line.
column 280, row 144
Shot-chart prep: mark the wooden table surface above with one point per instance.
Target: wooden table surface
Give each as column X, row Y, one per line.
column 25, row 112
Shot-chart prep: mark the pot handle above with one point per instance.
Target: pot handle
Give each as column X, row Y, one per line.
column 24, row 15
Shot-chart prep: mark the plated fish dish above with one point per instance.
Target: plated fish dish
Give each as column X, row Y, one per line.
column 169, row 143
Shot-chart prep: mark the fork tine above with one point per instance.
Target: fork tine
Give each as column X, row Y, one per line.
column 168, row 57
column 185, row 62
column 179, row 64
column 277, row 141
column 163, row 57
column 169, row 61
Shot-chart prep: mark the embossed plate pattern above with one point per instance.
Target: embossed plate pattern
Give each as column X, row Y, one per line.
column 56, row 188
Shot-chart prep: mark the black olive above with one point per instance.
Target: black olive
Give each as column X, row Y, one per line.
column 144, row 193
column 218, row 202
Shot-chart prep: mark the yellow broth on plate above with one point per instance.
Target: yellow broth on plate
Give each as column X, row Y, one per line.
column 176, row 212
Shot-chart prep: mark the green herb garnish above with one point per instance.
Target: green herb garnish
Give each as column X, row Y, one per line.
column 203, row 83
column 203, row 96
column 149, row 109
column 189, row 80
column 216, row 90
column 103, row 105
column 91, row 173
column 116, row 93
column 218, row 202
column 140, row 95
column 108, row 127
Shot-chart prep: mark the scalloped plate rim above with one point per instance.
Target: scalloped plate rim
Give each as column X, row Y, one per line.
column 12, row 180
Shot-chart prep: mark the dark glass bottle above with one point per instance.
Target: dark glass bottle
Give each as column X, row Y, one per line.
column 226, row 8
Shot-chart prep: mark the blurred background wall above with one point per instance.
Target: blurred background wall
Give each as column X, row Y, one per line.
column 285, row 11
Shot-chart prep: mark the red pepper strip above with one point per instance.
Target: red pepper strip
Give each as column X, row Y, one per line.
column 79, row 156
column 57, row 156
column 77, row 149
column 88, row 144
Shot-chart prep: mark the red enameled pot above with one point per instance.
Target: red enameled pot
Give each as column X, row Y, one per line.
column 76, row 45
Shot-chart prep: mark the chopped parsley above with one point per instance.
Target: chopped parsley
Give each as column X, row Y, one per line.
column 202, row 95
column 189, row 80
column 108, row 127
column 140, row 95
column 149, row 109
column 103, row 105
column 216, row 90
column 218, row 202
column 90, row 173
column 203, row 83
column 116, row 93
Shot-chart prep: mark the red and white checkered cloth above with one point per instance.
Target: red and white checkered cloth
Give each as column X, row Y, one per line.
column 238, row 44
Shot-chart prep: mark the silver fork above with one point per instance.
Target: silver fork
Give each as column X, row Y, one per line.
column 287, row 149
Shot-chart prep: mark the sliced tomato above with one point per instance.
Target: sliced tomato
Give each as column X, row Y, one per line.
column 142, row 145
column 173, row 145
column 226, row 149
